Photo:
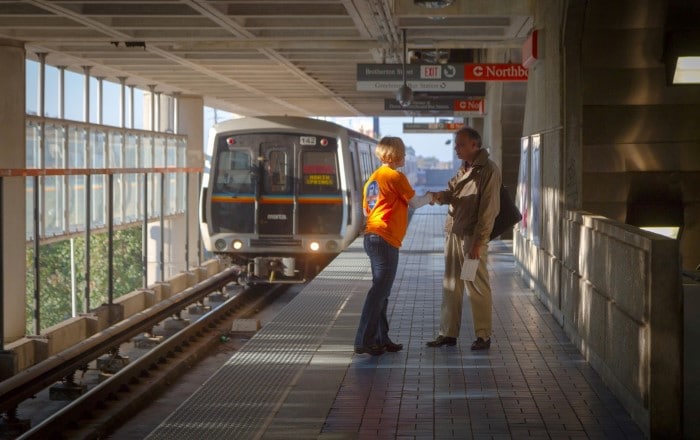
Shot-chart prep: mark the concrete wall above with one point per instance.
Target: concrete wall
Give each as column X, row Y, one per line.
column 598, row 103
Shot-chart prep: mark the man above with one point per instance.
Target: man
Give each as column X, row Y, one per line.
column 474, row 198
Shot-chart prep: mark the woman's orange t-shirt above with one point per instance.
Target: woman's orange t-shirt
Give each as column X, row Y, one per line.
column 385, row 202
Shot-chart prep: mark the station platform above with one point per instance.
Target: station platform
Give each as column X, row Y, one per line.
column 298, row 377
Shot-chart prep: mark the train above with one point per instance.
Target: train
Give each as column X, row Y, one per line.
column 283, row 194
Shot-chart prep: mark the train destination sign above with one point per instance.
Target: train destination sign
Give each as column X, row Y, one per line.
column 495, row 72
column 419, row 77
column 432, row 127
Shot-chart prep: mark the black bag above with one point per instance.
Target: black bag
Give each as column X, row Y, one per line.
column 508, row 215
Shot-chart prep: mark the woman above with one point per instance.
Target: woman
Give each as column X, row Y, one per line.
column 386, row 197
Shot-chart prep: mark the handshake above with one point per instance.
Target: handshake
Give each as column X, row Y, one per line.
column 434, row 197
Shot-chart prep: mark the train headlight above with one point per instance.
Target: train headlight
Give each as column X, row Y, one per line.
column 314, row 246
column 237, row 245
column 332, row 246
column 220, row 244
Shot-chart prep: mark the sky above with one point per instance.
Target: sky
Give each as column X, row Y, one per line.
column 425, row 144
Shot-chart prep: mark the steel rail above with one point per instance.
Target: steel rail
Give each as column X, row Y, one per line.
column 30, row 381
column 140, row 377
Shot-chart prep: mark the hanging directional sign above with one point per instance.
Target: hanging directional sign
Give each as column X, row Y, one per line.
column 431, row 127
column 419, row 77
column 454, row 107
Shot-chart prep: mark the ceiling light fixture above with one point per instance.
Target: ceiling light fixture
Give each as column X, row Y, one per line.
column 433, row 4
column 404, row 95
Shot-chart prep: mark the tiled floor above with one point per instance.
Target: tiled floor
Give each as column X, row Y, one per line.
column 298, row 377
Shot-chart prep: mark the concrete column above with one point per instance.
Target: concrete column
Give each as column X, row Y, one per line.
column 190, row 121
column 12, row 155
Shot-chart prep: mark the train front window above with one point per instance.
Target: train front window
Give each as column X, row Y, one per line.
column 234, row 172
column 276, row 178
column 319, row 172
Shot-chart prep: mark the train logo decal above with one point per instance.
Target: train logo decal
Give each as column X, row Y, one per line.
column 372, row 195
column 276, row 216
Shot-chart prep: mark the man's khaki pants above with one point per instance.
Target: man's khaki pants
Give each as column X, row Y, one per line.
column 453, row 291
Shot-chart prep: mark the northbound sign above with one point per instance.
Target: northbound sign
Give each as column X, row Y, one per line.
column 495, row 72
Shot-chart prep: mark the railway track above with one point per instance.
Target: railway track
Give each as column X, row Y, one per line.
column 108, row 404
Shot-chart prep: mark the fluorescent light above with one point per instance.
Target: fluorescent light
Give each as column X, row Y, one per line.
column 666, row 231
column 687, row 70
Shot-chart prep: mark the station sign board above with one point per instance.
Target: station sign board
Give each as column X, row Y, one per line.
column 455, row 107
column 432, row 127
column 419, row 77
column 495, row 72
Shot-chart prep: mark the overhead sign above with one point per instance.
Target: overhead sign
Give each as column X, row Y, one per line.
column 495, row 72
column 431, row 127
column 469, row 107
column 455, row 107
column 419, row 77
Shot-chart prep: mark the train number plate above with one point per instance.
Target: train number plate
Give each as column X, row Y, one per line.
column 307, row 140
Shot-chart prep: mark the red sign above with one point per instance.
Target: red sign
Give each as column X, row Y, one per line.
column 495, row 72
column 530, row 50
column 469, row 106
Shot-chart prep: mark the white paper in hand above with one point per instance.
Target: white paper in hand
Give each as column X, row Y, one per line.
column 469, row 269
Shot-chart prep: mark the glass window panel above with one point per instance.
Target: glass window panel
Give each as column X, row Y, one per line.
column 76, row 148
column 32, row 87
column 54, row 155
column 147, row 151
column 319, row 172
column 111, row 111
column 75, row 93
column 99, row 195
column 29, row 208
column 131, row 201
column 154, row 195
column 181, row 152
column 76, row 203
column 171, row 193
column 118, row 199
column 51, row 92
column 172, row 152
column 138, row 109
column 53, row 206
column 33, row 142
column 181, row 191
column 98, row 143
column 116, row 141
column 131, row 152
column 159, row 152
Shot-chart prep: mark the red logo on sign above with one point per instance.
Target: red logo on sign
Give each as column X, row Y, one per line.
column 494, row 72
column 469, row 105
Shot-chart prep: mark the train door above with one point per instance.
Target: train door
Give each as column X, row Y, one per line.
column 276, row 201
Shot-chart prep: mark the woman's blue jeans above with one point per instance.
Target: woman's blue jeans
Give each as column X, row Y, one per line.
column 374, row 324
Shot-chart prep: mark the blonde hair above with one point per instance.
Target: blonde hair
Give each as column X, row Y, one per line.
column 390, row 149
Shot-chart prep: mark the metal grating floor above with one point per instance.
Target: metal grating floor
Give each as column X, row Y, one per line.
column 298, row 378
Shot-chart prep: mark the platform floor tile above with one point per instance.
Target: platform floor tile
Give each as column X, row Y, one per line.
column 299, row 379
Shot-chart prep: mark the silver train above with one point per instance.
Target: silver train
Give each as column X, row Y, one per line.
column 283, row 194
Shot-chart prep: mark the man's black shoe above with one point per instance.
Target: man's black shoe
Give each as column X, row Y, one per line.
column 480, row 344
column 393, row 348
column 442, row 340
column 374, row 350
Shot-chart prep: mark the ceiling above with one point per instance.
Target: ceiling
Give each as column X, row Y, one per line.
column 255, row 57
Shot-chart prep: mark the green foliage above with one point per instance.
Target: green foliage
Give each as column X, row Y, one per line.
column 55, row 274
